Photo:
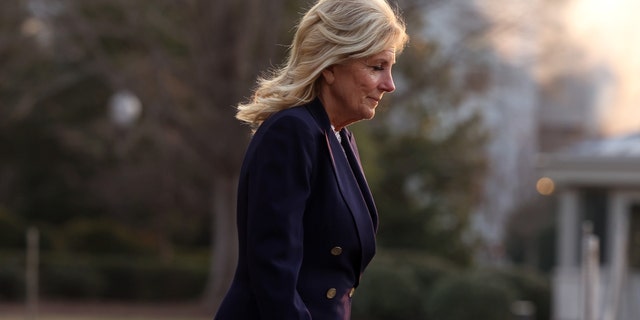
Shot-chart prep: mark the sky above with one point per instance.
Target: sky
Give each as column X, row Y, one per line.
column 584, row 54
column 609, row 30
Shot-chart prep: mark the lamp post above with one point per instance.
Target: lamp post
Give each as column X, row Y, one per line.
column 124, row 108
column 124, row 111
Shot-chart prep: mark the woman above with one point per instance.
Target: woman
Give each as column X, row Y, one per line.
column 306, row 218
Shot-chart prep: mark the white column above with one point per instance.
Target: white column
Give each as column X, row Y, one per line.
column 566, row 280
column 590, row 273
column 568, row 226
column 618, row 243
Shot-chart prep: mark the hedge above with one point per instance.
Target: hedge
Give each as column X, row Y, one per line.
column 107, row 277
column 412, row 285
column 395, row 284
column 469, row 297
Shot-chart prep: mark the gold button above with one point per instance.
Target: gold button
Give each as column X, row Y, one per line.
column 336, row 251
column 351, row 292
column 331, row 293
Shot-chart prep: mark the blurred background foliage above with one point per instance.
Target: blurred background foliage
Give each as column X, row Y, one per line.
column 143, row 210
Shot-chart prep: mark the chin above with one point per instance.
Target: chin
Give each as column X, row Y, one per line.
column 370, row 115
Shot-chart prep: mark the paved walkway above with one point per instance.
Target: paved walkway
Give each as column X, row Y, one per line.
column 111, row 309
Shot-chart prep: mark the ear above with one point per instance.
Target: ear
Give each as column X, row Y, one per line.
column 328, row 75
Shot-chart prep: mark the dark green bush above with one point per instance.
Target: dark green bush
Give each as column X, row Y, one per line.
column 395, row 284
column 103, row 237
column 427, row 269
column 403, row 284
column 12, row 231
column 71, row 279
column 12, row 284
column 388, row 293
column 153, row 281
column 530, row 286
column 132, row 278
column 472, row 296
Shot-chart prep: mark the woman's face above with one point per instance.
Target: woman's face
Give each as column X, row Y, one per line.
column 351, row 90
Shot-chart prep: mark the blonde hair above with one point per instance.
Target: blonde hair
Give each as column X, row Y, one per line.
column 331, row 32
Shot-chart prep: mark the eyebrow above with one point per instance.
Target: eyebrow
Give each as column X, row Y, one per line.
column 381, row 60
column 382, row 57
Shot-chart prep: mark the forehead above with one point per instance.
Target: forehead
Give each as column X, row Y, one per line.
column 388, row 56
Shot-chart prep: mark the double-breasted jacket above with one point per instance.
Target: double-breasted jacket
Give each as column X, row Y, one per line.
column 306, row 221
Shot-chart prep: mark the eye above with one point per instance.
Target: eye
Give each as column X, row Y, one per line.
column 378, row 67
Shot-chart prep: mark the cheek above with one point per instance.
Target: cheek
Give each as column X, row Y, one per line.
column 370, row 81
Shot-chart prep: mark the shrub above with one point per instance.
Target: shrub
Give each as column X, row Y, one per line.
column 12, row 284
column 530, row 286
column 395, row 284
column 157, row 281
column 402, row 284
column 129, row 278
column 388, row 293
column 72, row 279
column 103, row 237
column 427, row 269
column 12, row 231
column 469, row 297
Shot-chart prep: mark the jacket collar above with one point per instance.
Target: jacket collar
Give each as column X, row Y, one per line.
column 351, row 181
column 320, row 114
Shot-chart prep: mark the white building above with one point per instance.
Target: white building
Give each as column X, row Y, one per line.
column 562, row 73
column 597, row 181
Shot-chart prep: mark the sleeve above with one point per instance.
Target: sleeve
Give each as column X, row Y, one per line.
column 278, row 189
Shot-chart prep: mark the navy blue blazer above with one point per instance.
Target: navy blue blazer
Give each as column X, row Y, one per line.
column 306, row 221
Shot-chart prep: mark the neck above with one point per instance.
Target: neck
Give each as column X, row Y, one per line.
column 332, row 110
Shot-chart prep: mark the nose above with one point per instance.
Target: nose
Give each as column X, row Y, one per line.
column 387, row 84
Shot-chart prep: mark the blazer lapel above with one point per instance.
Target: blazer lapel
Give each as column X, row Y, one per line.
column 354, row 198
column 351, row 150
column 351, row 182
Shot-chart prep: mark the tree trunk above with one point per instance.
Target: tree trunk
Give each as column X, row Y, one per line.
column 244, row 41
column 224, row 248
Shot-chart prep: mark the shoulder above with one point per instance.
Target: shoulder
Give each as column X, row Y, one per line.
column 288, row 136
column 293, row 127
column 295, row 119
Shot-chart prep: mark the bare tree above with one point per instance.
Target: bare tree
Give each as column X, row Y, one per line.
column 189, row 62
column 232, row 41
